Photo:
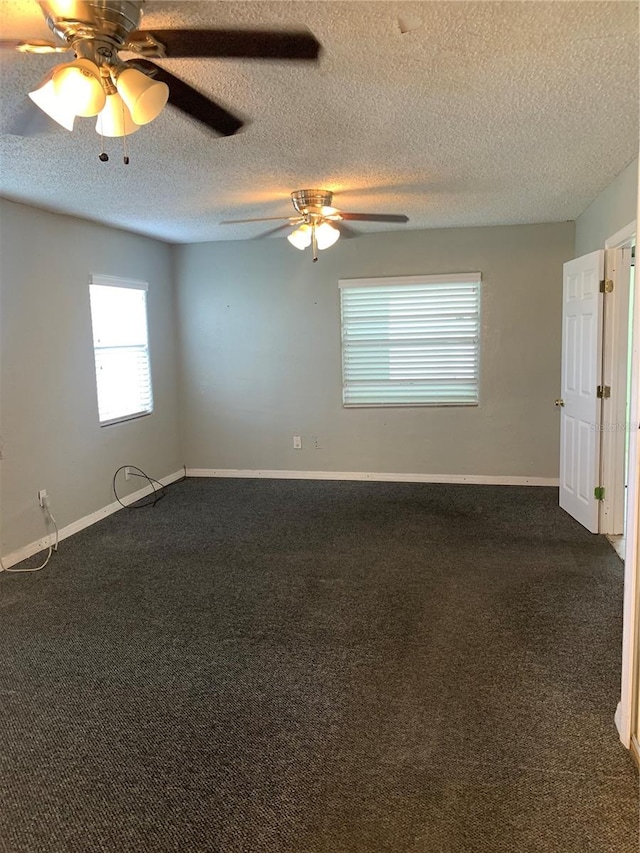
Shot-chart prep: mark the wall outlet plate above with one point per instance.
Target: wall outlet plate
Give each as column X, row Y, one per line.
column 297, row 442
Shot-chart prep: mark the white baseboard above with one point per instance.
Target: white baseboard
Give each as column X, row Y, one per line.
column 76, row 526
column 477, row 479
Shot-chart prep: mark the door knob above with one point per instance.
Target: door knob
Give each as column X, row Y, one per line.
column 559, row 403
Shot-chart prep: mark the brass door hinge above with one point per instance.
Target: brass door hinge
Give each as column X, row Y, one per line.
column 606, row 285
column 603, row 392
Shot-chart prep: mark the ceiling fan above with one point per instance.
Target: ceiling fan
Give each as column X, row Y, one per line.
column 319, row 224
column 127, row 93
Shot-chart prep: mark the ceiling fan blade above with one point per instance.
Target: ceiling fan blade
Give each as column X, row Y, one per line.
column 290, row 219
column 33, row 46
column 187, row 99
column 272, row 231
column 374, row 217
column 245, row 44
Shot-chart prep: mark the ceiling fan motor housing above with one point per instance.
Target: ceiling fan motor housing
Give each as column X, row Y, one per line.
column 105, row 19
column 311, row 201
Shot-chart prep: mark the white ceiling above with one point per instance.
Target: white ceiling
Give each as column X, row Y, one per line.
column 483, row 114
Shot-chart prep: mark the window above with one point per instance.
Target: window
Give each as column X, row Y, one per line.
column 411, row 341
column 123, row 376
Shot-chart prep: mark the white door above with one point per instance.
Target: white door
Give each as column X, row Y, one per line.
column 581, row 375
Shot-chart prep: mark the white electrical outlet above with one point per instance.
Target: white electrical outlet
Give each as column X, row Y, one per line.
column 42, row 497
column 127, row 473
column 297, row 442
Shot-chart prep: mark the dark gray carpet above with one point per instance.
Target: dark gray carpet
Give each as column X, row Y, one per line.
column 314, row 667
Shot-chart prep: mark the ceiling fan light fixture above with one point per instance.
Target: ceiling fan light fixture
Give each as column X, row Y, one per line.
column 46, row 98
column 78, row 86
column 320, row 220
column 326, row 235
column 301, row 237
column 145, row 97
column 115, row 118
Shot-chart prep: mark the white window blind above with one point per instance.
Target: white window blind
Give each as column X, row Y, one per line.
column 123, row 374
column 411, row 341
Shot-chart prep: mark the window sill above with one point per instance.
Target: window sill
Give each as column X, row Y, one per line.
column 475, row 404
column 125, row 418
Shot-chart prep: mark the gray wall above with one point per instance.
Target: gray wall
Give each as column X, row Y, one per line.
column 259, row 334
column 615, row 207
column 49, row 417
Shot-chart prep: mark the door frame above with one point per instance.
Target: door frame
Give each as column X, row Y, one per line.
column 626, row 712
column 615, row 351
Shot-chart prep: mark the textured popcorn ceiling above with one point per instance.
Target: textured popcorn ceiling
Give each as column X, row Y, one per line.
column 481, row 114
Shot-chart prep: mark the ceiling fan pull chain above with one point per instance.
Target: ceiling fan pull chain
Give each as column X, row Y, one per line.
column 125, row 157
column 103, row 156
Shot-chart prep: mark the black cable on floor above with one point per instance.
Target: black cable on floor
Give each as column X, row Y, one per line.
column 158, row 494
